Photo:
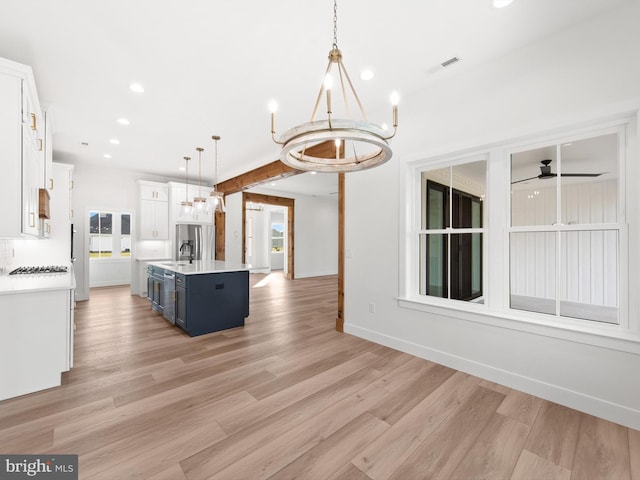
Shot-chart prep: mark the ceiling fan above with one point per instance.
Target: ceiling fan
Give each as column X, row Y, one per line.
column 545, row 172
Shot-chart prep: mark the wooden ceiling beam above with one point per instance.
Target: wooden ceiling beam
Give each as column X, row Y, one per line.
column 272, row 171
column 256, row 177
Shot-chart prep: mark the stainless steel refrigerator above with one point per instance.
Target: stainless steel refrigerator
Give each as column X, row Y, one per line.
column 195, row 242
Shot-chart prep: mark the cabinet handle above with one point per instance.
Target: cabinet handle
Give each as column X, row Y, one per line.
column 72, row 185
column 51, row 184
column 175, row 296
column 48, row 228
column 33, row 122
column 39, row 144
column 72, row 213
column 32, row 219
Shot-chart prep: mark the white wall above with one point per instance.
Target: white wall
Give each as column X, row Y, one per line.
column 576, row 75
column 110, row 271
column 316, row 232
column 260, row 248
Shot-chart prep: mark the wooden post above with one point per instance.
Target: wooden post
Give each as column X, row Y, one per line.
column 340, row 318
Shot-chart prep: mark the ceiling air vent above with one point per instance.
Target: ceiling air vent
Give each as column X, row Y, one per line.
column 451, row 61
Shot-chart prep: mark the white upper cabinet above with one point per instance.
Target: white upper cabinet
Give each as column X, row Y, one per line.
column 154, row 211
column 48, row 153
column 22, row 151
column 154, row 191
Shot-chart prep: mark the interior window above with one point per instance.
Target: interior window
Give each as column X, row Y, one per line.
column 451, row 260
column 564, row 238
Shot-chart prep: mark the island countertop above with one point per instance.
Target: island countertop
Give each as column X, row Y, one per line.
column 200, row 266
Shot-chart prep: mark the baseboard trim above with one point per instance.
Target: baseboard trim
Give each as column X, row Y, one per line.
column 110, row 283
column 553, row 393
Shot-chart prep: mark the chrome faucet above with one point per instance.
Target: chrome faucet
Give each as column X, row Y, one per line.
column 187, row 249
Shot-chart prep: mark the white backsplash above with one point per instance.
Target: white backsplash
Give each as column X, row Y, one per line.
column 6, row 255
column 31, row 252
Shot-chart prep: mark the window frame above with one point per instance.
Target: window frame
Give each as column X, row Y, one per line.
column 624, row 336
column 116, row 235
column 448, row 230
column 100, row 235
column 412, row 245
column 272, row 237
column 559, row 228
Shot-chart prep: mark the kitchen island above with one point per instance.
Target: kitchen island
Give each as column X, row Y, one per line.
column 203, row 296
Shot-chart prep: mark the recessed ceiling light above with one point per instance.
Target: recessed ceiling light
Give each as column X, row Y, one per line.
column 115, row 141
column 107, row 155
column 182, row 169
column 366, row 74
column 273, row 184
column 123, row 121
column 136, row 87
column 313, row 173
column 501, row 3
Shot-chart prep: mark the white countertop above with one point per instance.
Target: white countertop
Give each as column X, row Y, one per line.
column 37, row 283
column 201, row 266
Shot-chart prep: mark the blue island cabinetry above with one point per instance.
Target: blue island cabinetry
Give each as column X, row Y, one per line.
column 209, row 296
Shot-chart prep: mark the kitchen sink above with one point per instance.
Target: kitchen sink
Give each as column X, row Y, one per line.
column 177, row 264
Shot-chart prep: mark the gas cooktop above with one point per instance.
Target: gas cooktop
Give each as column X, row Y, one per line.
column 39, row 270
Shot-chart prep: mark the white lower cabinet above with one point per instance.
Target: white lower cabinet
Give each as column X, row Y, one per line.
column 36, row 344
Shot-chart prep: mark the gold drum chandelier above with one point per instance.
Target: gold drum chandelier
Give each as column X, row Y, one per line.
column 349, row 145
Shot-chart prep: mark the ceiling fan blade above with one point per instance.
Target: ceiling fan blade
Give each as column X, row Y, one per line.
column 524, row 180
column 580, row 174
column 545, row 176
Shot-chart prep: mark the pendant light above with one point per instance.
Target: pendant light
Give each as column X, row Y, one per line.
column 186, row 206
column 360, row 144
column 200, row 202
column 216, row 199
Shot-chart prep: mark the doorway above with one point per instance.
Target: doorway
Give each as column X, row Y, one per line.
column 250, row 229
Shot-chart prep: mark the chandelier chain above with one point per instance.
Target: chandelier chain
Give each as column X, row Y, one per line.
column 215, row 173
column 199, row 171
column 335, row 23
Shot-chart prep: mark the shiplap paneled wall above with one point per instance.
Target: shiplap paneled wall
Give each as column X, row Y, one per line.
column 588, row 259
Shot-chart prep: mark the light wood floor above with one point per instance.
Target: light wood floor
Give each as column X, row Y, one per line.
column 287, row 397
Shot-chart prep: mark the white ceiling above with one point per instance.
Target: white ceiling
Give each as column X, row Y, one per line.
column 211, row 67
